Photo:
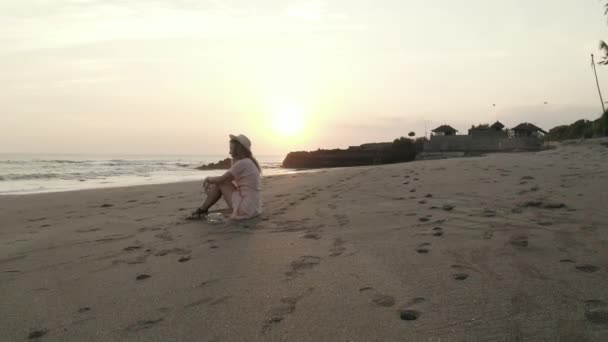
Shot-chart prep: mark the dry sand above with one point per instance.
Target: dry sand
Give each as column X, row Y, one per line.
column 505, row 247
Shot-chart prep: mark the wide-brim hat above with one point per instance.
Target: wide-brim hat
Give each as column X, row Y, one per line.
column 242, row 139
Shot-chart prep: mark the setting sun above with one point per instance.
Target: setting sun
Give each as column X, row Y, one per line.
column 289, row 120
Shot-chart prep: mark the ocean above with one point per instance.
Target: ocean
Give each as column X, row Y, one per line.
column 27, row 173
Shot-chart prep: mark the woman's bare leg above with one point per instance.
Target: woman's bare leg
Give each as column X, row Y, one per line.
column 217, row 191
column 213, row 195
column 227, row 189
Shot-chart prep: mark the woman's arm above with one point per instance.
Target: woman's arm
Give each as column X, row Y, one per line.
column 226, row 177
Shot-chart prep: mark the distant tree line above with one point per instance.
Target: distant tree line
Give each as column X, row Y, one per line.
column 585, row 128
column 409, row 146
column 580, row 129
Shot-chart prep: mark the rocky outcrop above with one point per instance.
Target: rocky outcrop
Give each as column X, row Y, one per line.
column 220, row 165
column 402, row 150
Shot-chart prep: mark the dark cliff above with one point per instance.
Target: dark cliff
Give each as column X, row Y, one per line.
column 220, row 165
column 400, row 150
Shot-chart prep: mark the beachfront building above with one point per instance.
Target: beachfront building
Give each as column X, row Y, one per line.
column 485, row 130
column 444, row 130
column 484, row 138
column 524, row 130
column 497, row 126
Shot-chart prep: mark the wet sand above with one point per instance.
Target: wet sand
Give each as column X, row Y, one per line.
column 505, row 247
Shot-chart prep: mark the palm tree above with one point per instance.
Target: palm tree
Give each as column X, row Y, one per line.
column 603, row 44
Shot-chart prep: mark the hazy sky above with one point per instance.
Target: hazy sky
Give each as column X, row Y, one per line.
column 176, row 76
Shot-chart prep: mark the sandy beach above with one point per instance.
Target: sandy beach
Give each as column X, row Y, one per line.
column 503, row 247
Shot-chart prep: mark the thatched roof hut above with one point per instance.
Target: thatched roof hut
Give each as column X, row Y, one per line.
column 498, row 126
column 445, row 130
column 527, row 129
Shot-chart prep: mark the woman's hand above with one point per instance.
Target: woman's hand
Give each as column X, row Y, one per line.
column 206, row 184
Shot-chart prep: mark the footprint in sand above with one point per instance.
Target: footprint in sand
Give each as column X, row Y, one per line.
column 166, row 236
column 87, row 230
column 106, row 205
column 422, row 248
column 415, row 301
column 142, row 277
column 34, row 334
column 305, row 262
column 437, row 231
column 460, row 276
column 280, row 312
column 377, row 298
column 337, row 248
column 198, row 302
column 541, row 204
column 184, row 258
column 383, row 300
column 519, row 241
column 409, row 315
column 596, row 311
column 342, row 220
column 587, row 268
column 141, row 325
column 115, row 237
column 178, row 251
column 313, row 236
column 488, row 213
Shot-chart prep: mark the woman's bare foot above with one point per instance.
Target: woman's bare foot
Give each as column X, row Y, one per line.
column 197, row 214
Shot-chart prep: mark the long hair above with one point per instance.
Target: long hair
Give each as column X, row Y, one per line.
column 242, row 151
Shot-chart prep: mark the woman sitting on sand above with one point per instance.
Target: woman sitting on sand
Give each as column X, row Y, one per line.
column 240, row 186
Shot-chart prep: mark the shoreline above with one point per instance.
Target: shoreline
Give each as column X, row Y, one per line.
column 114, row 186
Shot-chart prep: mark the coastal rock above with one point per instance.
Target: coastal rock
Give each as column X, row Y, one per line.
column 401, row 150
column 220, row 165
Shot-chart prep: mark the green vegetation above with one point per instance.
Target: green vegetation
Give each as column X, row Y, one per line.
column 409, row 145
column 585, row 128
column 604, row 45
column 481, row 126
column 580, row 129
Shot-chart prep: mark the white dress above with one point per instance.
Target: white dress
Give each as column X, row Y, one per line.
column 247, row 199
